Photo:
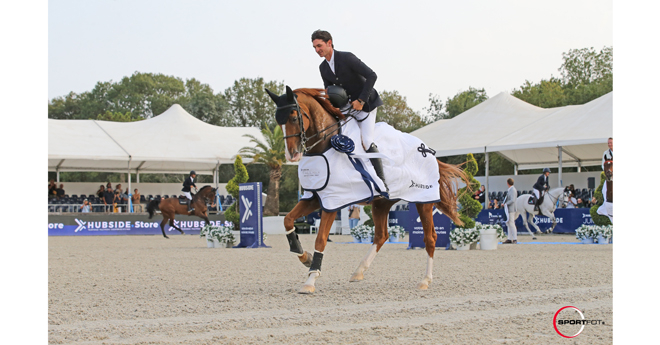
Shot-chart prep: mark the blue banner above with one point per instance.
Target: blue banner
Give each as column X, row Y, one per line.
column 85, row 225
column 411, row 221
column 568, row 220
column 251, row 215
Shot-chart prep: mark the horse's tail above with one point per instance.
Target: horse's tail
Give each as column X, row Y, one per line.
column 450, row 176
column 152, row 207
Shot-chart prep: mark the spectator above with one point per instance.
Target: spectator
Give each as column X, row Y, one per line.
column 118, row 187
column 109, row 185
column 52, row 186
column 101, row 192
column 480, row 195
column 608, row 154
column 353, row 216
column 572, row 201
column 84, row 208
column 60, row 191
column 124, row 199
column 116, row 200
column 593, row 202
column 108, row 197
column 136, row 201
column 579, row 204
column 496, row 204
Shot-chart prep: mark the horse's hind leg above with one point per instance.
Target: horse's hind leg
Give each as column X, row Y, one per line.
column 525, row 216
column 430, row 237
column 302, row 208
column 162, row 225
column 176, row 227
column 381, row 209
column 530, row 218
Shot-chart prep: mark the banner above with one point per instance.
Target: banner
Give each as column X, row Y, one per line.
column 410, row 220
column 251, row 215
column 94, row 224
column 568, row 219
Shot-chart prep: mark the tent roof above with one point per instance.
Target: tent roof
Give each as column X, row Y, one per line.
column 173, row 142
column 525, row 134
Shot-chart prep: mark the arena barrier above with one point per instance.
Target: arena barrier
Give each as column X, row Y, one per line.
column 251, row 212
column 90, row 224
column 567, row 221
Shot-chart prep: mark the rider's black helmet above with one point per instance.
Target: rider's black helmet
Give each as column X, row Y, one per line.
column 545, row 170
column 193, row 173
column 337, row 96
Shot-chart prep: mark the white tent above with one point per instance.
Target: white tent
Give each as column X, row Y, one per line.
column 173, row 142
column 529, row 136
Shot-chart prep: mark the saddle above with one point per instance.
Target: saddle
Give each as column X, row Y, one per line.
column 183, row 200
column 532, row 199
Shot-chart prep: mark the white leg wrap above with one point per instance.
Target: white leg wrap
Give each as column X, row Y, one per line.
column 311, row 279
column 429, row 268
column 290, row 231
column 366, row 262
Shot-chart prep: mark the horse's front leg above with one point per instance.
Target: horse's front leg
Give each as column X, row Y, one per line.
column 327, row 218
column 552, row 217
column 430, row 237
column 302, row 208
column 176, row 227
column 381, row 209
column 531, row 221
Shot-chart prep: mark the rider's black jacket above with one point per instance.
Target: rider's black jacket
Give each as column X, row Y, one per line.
column 187, row 184
column 354, row 76
column 542, row 183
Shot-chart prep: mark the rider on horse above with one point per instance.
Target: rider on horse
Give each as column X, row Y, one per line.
column 189, row 182
column 343, row 73
column 540, row 187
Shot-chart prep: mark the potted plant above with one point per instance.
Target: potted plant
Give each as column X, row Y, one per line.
column 489, row 235
column 603, row 234
column 586, row 233
column 463, row 237
column 363, row 233
column 396, row 233
column 218, row 236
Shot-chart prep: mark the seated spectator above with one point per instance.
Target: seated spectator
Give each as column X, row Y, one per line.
column 101, row 192
column 60, row 191
column 580, row 204
column 496, row 204
column 480, row 195
column 108, row 198
column 85, row 207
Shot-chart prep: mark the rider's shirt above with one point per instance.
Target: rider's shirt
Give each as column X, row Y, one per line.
column 187, row 184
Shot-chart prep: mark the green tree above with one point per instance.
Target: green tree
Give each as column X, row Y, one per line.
column 463, row 101
column 250, row 105
column 65, row 108
column 586, row 66
column 241, row 176
column 201, row 103
column 470, row 207
column 598, row 194
column 117, row 117
column 546, row 94
column 396, row 112
column 270, row 153
column 434, row 111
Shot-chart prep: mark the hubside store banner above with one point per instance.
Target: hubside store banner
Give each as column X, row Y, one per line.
column 111, row 224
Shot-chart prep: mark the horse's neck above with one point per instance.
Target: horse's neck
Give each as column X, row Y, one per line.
column 320, row 121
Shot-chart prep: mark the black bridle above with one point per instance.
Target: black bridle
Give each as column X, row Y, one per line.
column 302, row 134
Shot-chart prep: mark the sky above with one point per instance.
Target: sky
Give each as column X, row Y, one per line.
column 415, row 47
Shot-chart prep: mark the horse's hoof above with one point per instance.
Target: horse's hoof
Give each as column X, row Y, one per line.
column 423, row 286
column 533, row 238
column 166, row 237
column 356, row 277
column 307, row 289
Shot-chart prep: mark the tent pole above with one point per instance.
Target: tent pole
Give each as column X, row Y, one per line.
column 515, row 169
column 129, row 192
column 216, row 179
column 561, row 183
column 58, row 175
column 137, row 176
column 487, row 190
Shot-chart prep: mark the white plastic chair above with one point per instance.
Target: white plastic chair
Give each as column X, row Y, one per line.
column 315, row 228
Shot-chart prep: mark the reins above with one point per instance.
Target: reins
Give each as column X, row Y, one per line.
column 302, row 134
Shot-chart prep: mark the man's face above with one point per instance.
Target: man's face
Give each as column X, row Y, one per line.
column 193, row 175
column 609, row 144
column 546, row 174
column 322, row 48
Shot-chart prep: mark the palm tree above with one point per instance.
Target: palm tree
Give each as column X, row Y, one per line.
column 270, row 153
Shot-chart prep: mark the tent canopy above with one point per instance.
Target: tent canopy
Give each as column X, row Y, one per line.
column 173, row 142
column 525, row 134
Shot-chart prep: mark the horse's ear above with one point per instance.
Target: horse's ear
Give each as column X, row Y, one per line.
column 273, row 96
column 289, row 94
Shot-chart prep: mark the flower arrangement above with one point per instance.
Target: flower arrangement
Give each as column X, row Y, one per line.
column 586, row 231
column 396, row 231
column 604, row 231
column 363, row 231
column 464, row 236
column 222, row 233
column 501, row 236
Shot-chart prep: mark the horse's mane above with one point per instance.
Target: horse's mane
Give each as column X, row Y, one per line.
column 320, row 96
column 201, row 189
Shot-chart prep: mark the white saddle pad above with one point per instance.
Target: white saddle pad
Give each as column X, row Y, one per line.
column 411, row 172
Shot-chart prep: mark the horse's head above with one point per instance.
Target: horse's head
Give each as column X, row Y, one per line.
column 206, row 192
column 607, row 169
column 294, row 125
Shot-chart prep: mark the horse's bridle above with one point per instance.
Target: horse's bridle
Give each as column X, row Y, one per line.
column 303, row 137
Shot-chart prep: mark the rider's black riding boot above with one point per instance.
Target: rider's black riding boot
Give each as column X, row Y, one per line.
column 190, row 208
column 378, row 165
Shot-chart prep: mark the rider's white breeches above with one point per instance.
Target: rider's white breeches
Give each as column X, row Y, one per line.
column 536, row 193
column 187, row 194
column 366, row 126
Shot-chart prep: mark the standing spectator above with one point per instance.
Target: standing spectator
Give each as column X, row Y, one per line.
column 136, row 201
column 510, row 207
column 108, row 198
column 109, row 185
column 593, row 201
column 572, row 201
column 118, row 187
column 353, row 216
column 579, row 204
column 101, row 192
column 116, row 200
column 84, row 208
column 480, row 195
column 52, row 186
column 124, row 199
column 607, row 155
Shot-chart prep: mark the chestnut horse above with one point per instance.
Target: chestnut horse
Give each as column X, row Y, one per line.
column 309, row 121
column 171, row 206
